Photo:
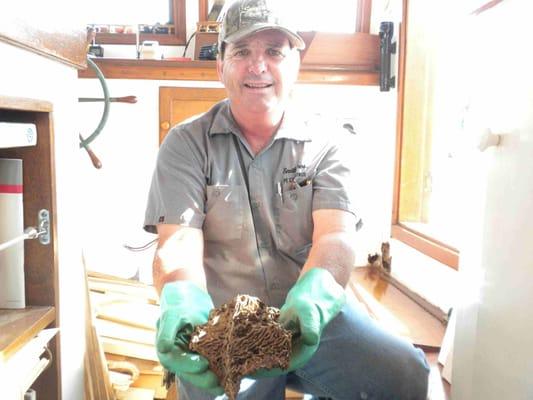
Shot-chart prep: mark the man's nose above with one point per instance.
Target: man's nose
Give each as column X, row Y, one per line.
column 257, row 65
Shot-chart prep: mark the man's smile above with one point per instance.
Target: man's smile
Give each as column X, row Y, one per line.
column 258, row 85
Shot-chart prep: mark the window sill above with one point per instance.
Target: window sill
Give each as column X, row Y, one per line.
column 429, row 282
column 416, row 296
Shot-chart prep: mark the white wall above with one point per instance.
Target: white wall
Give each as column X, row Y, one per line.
column 28, row 75
column 493, row 344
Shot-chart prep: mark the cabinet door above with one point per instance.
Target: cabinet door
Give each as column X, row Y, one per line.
column 177, row 104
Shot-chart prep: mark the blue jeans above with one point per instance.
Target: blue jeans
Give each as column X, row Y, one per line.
column 356, row 359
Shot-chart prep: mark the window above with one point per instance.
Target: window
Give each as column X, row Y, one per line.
column 164, row 20
column 427, row 201
column 339, row 16
column 117, row 21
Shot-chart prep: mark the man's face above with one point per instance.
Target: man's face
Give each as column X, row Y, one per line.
column 259, row 71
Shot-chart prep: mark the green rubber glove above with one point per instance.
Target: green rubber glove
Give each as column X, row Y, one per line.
column 314, row 300
column 183, row 307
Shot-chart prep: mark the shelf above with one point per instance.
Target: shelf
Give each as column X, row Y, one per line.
column 17, row 327
column 118, row 68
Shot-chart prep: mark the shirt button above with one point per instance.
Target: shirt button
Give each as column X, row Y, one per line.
column 256, row 204
column 293, row 196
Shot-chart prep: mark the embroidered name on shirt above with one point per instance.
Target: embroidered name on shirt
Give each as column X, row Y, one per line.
column 290, row 174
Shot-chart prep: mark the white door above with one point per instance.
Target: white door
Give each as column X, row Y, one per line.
column 493, row 348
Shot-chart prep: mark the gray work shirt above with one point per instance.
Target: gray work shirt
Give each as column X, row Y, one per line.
column 255, row 210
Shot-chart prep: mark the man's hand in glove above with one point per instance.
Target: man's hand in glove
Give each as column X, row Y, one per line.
column 314, row 300
column 183, row 307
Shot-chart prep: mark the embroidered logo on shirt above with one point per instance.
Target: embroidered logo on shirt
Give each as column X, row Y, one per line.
column 291, row 175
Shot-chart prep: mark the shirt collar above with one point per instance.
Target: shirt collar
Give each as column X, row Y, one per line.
column 293, row 126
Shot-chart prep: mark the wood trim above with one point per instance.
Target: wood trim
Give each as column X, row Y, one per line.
column 399, row 110
column 426, row 245
column 180, row 20
column 42, row 28
column 202, row 10
column 364, row 12
column 20, row 326
column 206, row 71
column 66, row 47
column 113, row 68
column 24, row 104
column 439, row 251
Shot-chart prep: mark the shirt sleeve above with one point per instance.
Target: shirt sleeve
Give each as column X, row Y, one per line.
column 177, row 191
column 333, row 184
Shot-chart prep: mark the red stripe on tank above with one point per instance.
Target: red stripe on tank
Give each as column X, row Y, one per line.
column 10, row 188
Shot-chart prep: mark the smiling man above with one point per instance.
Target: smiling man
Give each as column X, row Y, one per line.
column 251, row 198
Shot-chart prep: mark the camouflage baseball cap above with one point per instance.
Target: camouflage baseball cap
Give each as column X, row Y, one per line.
column 244, row 17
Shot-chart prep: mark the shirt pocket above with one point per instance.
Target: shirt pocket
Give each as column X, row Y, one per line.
column 294, row 221
column 224, row 214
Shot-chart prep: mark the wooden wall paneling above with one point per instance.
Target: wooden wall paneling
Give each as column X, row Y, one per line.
column 359, row 49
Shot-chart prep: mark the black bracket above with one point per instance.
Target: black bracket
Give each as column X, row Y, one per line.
column 387, row 48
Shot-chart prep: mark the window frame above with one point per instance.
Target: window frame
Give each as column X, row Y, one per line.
column 179, row 37
column 423, row 243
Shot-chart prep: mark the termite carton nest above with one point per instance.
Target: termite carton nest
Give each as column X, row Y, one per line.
column 241, row 337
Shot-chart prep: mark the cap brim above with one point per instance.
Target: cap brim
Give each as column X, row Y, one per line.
column 295, row 39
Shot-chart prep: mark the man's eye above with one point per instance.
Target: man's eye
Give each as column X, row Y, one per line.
column 241, row 53
column 275, row 53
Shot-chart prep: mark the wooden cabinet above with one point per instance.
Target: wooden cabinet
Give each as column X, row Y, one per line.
column 18, row 327
column 178, row 103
